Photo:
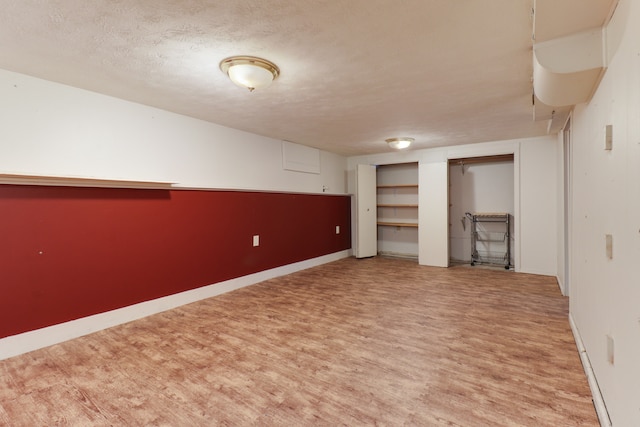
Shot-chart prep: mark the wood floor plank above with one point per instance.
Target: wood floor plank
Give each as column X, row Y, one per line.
column 354, row 342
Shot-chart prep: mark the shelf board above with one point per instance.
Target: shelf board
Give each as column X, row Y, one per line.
column 398, row 224
column 500, row 215
column 397, row 205
column 399, row 186
column 9, row 178
column 482, row 159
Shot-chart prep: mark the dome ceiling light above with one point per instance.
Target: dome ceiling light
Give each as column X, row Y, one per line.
column 250, row 72
column 399, row 143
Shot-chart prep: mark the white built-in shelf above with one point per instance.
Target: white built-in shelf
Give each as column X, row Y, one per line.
column 74, row 181
column 398, row 224
column 399, row 186
column 397, row 205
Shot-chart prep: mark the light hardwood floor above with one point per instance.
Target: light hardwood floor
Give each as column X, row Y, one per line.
column 354, row 342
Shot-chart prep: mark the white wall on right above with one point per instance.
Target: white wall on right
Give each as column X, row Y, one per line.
column 604, row 291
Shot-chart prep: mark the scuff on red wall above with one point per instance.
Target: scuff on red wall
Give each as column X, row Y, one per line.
column 70, row 252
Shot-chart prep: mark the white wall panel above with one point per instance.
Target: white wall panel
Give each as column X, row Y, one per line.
column 538, row 207
column 433, row 214
column 605, row 293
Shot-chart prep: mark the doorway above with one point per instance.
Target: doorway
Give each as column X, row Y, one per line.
column 480, row 185
column 397, row 210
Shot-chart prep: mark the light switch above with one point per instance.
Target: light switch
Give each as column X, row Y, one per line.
column 256, row 240
column 610, row 350
column 337, row 229
column 608, row 137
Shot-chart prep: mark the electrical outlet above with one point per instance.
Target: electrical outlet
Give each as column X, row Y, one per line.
column 337, row 229
column 256, row 240
column 610, row 349
column 609, row 245
column 608, row 137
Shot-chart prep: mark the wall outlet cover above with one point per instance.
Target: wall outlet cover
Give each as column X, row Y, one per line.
column 610, row 350
column 608, row 137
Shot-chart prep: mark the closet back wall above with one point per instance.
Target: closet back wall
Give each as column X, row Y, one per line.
column 71, row 252
column 483, row 187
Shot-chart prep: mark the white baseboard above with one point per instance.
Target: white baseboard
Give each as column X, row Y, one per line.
column 598, row 400
column 28, row 341
column 561, row 285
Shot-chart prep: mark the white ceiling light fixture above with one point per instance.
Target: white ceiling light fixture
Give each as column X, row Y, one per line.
column 400, row 143
column 250, row 72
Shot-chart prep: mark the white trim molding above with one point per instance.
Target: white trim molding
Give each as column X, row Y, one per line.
column 598, row 400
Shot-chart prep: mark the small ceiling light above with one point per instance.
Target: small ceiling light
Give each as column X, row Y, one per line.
column 399, row 143
column 250, row 72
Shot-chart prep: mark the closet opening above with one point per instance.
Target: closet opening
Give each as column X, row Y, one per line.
column 397, row 210
column 481, row 209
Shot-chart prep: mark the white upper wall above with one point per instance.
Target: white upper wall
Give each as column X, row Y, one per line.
column 605, row 293
column 51, row 129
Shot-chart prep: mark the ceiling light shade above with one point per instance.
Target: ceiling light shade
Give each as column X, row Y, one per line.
column 250, row 72
column 399, row 143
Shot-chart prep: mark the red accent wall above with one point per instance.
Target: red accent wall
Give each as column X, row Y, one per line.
column 70, row 252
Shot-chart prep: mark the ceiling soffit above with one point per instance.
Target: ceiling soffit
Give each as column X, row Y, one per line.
column 569, row 57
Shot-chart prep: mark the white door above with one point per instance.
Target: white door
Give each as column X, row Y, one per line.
column 366, row 216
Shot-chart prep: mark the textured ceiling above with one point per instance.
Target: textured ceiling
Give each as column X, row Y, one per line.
column 353, row 72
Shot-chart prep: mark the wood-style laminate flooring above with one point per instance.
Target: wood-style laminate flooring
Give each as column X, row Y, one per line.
column 354, row 342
